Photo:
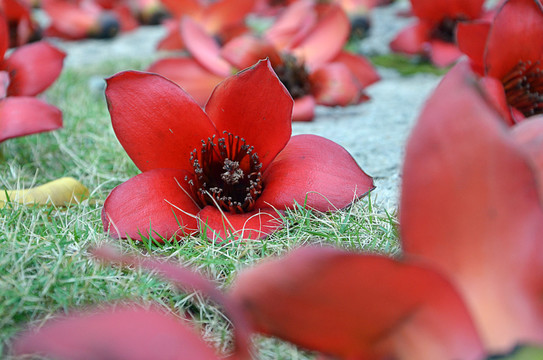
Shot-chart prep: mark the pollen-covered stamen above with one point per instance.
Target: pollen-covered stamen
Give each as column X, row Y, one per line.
column 446, row 29
column 227, row 174
column 524, row 87
column 294, row 76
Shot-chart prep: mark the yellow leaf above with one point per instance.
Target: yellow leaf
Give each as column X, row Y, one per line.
column 60, row 192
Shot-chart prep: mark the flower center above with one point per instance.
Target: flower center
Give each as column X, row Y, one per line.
column 445, row 30
column 524, row 87
column 227, row 174
column 294, row 76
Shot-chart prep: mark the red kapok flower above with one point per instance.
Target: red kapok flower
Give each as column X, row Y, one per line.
column 25, row 73
column 512, row 70
column 22, row 26
column 433, row 34
column 469, row 281
column 227, row 170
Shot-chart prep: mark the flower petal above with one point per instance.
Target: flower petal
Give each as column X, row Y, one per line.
column 333, row 84
column 332, row 29
column 471, row 39
column 437, row 10
column 256, row 224
column 517, row 19
column 411, row 39
column 68, row 20
column 304, row 108
column 222, row 14
column 470, row 206
column 443, row 54
column 496, row 96
column 156, row 202
column 314, row 171
column 355, row 306
column 179, row 8
column 150, row 116
column 34, row 67
column 172, row 40
column 360, row 67
column 246, row 50
column 294, row 23
column 254, row 105
column 121, row 332
column 4, row 36
column 20, row 116
column 529, row 134
column 203, row 47
column 189, row 74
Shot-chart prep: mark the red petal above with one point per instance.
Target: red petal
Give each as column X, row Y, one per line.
column 471, row 38
column 189, row 74
column 496, row 96
column 122, row 332
column 411, row 39
column 443, row 54
column 333, row 30
column 4, row 36
column 20, row 116
column 314, row 171
column 156, row 202
column 246, row 50
column 360, row 67
column 517, row 19
column 437, row 10
column 354, row 306
column 334, row 84
column 34, row 67
column 256, row 224
column 304, row 108
column 151, row 115
column 222, row 14
column 529, row 134
column 254, row 105
column 294, row 23
column 172, row 40
column 68, row 20
column 470, row 206
column 180, row 8
column 203, row 47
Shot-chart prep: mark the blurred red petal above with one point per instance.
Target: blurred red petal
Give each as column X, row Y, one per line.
column 471, row 38
column 172, row 40
column 529, row 134
column 334, row 84
column 222, row 14
column 150, row 116
column 360, row 67
column 333, row 30
column 34, row 67
column 4, row 36
column 122, row 332
column 203, row 47
column 154, row 202
column 246, row 50
column 180, row 8
column 20, row 116
column 254, row 105
column 496, row 96
column 294, row 23
column 517, row 19
column 256, row 224
column 443, row 54
column 68, row 20
column 437, row 10
column 186, row 72
column 470, row 206
column 411, row 39
column 316, row 172
column 356, row 306
column 304, row 108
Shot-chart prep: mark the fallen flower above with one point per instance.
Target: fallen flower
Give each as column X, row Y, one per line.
column 23, row 28
column 511, row 72
column 469, row 280
column 433, row 34
column 232, row 172
column 25, row 73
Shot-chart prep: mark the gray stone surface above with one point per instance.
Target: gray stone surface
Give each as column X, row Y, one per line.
column 374, row 132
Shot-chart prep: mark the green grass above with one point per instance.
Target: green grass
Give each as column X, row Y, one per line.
column 44, row 251
column 407, row 66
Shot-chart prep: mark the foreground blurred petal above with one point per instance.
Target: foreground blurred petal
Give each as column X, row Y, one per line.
column 60, row 192
column 529, row 134
column 21, row 116
column 34, row 67
column 254, row 105
column 150, row 203
column 470, row 206
column 256, row 224
column 314, row 171
column 123, row 332
column 150, row 116
column 357, row 306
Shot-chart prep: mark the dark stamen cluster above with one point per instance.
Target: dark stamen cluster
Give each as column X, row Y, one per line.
column 446, row 29
column 294, row 76
column 524, row 87
column 227, row 174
